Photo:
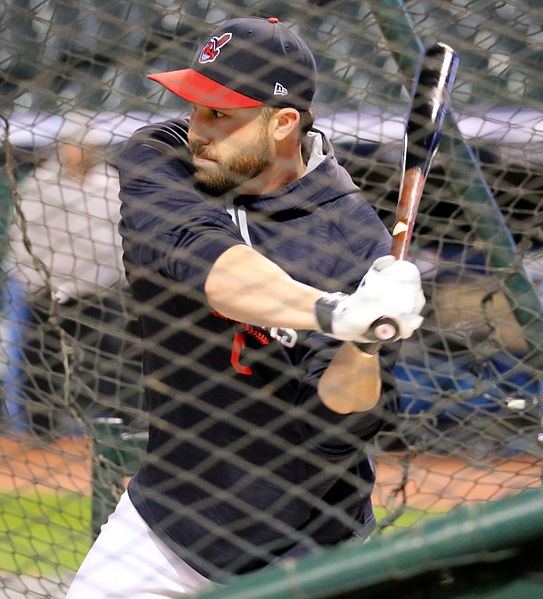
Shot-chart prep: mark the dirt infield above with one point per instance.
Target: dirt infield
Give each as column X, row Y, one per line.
column 62, row 465
column 441, row 482
column 431, row 482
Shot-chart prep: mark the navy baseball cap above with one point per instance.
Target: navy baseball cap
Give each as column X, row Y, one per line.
column 247, row 62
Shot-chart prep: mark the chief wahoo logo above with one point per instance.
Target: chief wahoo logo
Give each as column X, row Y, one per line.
column 213, row 48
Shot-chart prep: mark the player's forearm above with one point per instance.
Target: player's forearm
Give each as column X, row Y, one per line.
column 244, row 285
column 352, row 381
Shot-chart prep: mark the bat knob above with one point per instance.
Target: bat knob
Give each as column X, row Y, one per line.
column 383, row 329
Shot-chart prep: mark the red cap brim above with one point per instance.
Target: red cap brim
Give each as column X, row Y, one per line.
column 199, row 89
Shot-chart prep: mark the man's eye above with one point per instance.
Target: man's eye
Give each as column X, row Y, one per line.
column 218, row 115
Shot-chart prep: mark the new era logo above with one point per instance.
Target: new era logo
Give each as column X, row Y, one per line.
column 280, row 90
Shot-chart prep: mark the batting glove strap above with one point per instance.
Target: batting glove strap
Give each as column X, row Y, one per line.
column 324, row 310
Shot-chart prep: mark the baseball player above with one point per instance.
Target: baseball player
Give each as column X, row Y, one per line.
column 258, row 270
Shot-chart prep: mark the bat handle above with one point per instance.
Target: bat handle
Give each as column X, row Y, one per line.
column 384, row 330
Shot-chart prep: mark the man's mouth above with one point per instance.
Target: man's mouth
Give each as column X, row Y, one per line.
column 202, row 160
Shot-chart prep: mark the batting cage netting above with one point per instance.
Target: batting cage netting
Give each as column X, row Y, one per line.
column 248, row 470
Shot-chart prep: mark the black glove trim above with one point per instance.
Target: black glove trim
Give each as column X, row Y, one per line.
column 324, row 309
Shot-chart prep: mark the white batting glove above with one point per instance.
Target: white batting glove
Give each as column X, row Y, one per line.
column 391, row 292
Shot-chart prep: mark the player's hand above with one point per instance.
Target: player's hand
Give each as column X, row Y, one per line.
column 391, row 289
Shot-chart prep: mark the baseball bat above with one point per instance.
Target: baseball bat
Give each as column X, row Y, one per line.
column 430, row 98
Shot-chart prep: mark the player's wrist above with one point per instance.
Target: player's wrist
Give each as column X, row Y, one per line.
column 367, row 350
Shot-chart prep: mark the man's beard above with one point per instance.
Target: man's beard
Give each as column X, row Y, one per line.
column 229, row 173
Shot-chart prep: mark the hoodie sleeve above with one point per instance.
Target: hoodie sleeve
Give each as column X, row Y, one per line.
column 365, row 238
column 166, row 224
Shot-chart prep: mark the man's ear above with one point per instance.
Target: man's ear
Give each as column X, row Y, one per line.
column 285, row 123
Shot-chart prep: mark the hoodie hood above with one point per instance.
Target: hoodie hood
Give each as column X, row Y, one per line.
column 324, row 181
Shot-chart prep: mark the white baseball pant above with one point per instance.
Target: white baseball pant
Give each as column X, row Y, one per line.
column 128, row 561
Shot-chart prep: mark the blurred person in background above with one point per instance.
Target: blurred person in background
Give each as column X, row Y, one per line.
column 65, row 257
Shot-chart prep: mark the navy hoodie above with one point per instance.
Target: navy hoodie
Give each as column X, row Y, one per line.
column 245, row 464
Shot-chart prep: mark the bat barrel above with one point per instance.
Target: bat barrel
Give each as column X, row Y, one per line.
column 431, row 97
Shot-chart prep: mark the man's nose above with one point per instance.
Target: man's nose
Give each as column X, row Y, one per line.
column 199, row 129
